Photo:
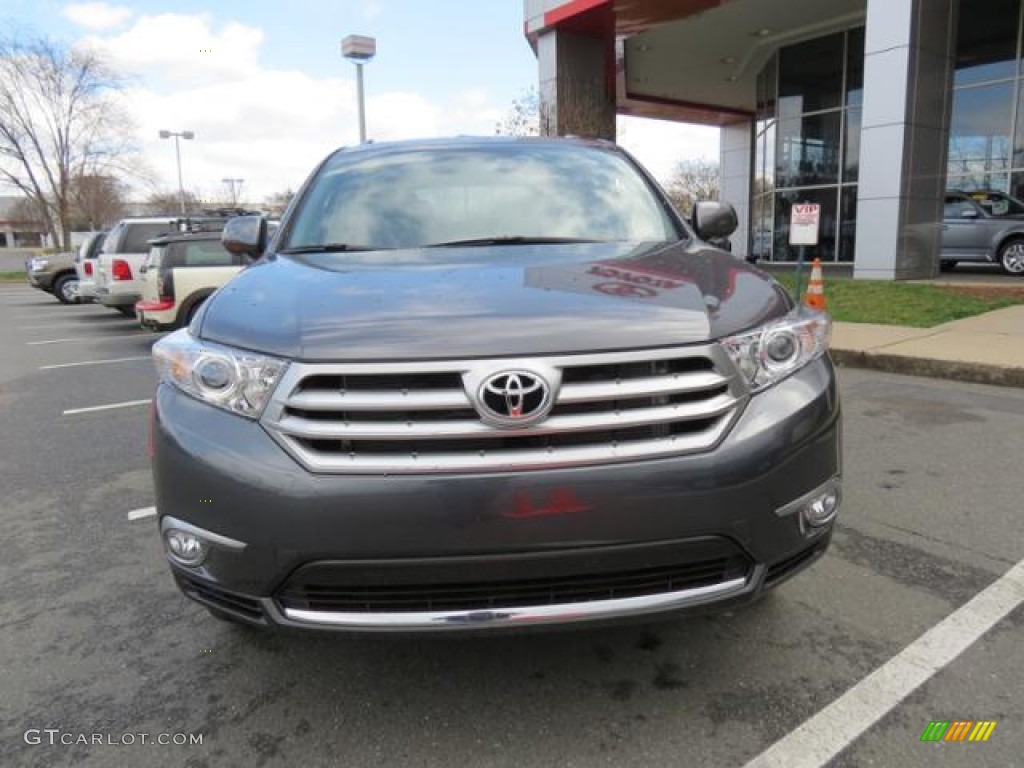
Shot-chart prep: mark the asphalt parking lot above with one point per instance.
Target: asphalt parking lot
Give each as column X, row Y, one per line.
column 96, row 640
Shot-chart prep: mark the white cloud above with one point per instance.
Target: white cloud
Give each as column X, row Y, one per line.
column 267, row 126
column 97, row 16
column 659, row 145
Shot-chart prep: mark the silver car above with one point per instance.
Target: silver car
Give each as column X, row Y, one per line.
column 984, row 226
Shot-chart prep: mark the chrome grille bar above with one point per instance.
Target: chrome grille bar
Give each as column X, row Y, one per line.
column 408, row 418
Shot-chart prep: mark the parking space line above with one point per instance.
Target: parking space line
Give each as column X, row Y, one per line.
column 820, row 738
column 93, row 338
column 108, row 407
column 140, row 514
column 57, row 325
column 92, row 362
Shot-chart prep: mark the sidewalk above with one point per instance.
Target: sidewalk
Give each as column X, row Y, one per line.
column 988, row 349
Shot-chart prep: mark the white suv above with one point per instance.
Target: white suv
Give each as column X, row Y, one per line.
column 86, row 263
column 124, row 251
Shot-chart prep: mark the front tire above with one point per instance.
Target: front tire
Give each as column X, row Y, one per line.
column 65, row 288
column 947, row 265
column 1011, row 256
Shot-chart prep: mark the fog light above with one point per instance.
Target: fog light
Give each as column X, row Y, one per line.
column 822, row 510
column 184, row 547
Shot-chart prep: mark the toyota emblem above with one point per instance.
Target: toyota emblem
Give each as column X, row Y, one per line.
column 514, row 398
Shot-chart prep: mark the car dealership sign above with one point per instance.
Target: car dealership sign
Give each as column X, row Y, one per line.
column 803, row 224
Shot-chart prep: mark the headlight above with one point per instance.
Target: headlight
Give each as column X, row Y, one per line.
column 233, row 379
column 38, row 264
column 772, row 352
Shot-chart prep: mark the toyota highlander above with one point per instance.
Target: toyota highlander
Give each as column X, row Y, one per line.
column 491, row 383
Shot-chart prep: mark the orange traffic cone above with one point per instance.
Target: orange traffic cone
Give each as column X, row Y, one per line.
column 815, row 296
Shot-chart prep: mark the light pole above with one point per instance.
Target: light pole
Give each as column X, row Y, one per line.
column 359, row 49
column 234, row 191
column 188, row 135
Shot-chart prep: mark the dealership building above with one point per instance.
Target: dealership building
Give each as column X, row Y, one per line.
column 869, row 108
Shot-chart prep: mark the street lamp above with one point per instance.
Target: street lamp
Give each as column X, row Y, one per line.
column 359, row 49
column 234, row 190
column 177, row 153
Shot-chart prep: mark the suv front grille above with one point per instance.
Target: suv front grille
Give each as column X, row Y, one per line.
column 422, row 418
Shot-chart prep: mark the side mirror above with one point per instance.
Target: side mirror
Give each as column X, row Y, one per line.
column 712, row 220
column 245, row 235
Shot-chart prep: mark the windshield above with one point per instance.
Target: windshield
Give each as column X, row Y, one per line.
column 417, row 197
column 998, row 204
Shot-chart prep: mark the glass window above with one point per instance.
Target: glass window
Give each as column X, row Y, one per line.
column 409, row 198
column 1018, row 142
column 811, row 76
column 851, row 165
column 138, row 235
column 1017, row 185
column 972, row 181
column 766, row 87
column 808, row 150
column 855, row 67
column 847, row 223
column 826, row 248
column 956, row 207
column 979, row 139
column 986, row 40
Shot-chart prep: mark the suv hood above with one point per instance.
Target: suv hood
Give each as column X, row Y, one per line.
column 489, row 301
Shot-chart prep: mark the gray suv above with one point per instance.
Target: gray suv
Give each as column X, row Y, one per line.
column 491, row 383
column 984, row 226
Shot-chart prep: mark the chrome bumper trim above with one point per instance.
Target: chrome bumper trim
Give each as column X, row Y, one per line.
column 519, row 616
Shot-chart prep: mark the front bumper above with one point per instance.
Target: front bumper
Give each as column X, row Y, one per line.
column 313, row 544
column 41, row 280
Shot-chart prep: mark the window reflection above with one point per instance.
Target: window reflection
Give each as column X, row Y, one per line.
column 409, row 198
column 811, row 76
column 979, row 133
column 986, row 41
column 808, row 150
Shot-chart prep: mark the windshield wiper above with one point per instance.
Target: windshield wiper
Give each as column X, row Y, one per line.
column 512, row 240
column 332, row 248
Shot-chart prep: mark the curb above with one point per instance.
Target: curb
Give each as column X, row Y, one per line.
column 975, row 373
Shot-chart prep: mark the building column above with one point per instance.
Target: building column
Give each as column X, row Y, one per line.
column 735, row 169
column 575, row 97
column 908, row 67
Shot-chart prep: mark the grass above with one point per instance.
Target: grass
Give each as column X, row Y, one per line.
column 918, row 305
column 13, row 277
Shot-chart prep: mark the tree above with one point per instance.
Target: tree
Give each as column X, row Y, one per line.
column 523, row 117
column 58, row 123
column 159, row 203
column 582, row 110
column 98, row 201
column 277, row 202
column 691, row 181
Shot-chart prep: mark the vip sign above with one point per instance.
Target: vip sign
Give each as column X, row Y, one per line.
column 803, row 224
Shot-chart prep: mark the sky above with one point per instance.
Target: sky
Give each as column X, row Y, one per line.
column 264, row 87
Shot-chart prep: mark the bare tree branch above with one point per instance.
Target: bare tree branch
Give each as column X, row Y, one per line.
column 59, row 127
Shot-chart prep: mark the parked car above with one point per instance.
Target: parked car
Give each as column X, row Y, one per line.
column 985, row 226
column 86, row 262
column 54, row 274
column 179, row 274
column 124, row 249
column 491, row 383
